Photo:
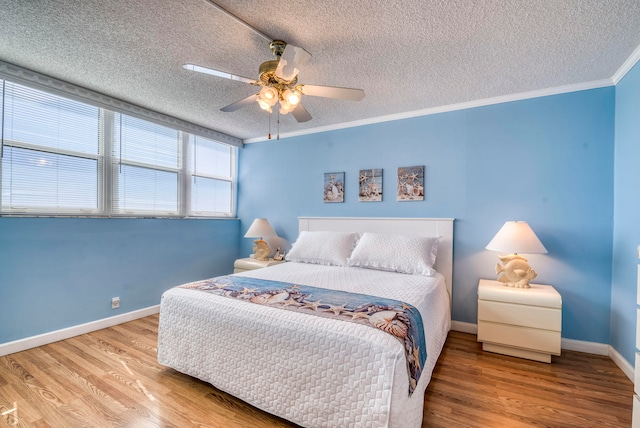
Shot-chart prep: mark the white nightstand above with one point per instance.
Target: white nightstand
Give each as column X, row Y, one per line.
column 521, row 322
column 243, row 265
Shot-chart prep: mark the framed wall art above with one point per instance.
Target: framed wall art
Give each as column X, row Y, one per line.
column 411, row 183
column 370, row 185
column 334, row 187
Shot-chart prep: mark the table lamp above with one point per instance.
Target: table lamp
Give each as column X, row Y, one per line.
column 260, row 228
column 516, row 237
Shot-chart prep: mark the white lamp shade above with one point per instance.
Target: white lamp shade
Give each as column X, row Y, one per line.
column 516, row 237
column 260, row 228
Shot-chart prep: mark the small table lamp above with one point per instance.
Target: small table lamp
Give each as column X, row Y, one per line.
column 260, row 228
column 516, row 237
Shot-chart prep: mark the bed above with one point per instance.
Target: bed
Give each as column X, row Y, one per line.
column 313, row 370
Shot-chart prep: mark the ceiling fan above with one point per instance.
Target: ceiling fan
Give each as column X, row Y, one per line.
column 278, row 80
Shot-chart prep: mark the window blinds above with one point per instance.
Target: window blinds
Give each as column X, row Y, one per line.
column 211, row 191
column 51, row 152
column 61, row 156
column 147, row 157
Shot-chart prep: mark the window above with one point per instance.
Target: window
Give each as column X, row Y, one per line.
column 65, row 157
column 148, row 163
column 50, row 156
column 212, row 184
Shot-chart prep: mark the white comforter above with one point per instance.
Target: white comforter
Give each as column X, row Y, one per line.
column 314, row 371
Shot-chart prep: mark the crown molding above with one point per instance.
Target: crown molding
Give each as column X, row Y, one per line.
column 448, row 108
column 626, row 66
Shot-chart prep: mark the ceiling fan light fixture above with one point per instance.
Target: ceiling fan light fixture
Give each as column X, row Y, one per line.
column 278, row 82
column 285, row 107
column 292, row 97
column 264, row 105
column 269, row 95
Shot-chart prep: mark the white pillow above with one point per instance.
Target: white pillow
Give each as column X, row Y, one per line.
column 396, row 253
column 324, row 248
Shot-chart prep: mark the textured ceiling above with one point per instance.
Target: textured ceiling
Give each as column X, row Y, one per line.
column 407, row 55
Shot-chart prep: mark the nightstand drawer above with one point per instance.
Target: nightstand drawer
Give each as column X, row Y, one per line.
column 520, row 337
column 520, row 315
column 544, row 296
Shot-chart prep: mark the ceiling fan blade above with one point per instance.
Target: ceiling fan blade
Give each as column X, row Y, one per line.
column 333, row 92
column 218, row 73
column 239, row 104
column 291, row 60
column 301, row 114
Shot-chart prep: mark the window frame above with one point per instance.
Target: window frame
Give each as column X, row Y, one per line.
column 192, row 174
column 117, row 163
column 107, row 174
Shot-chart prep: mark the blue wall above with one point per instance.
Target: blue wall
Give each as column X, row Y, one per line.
column 61, row 272
column 548, row 161
column 626, row 208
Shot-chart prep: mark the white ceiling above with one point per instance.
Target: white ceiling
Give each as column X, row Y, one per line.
column 407, row 55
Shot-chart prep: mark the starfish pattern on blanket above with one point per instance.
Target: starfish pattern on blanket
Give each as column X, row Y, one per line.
column 406, row 307
column 291, row 302
column 416, row 353
column 358, row 315
column 335, row 309
column 310, row 305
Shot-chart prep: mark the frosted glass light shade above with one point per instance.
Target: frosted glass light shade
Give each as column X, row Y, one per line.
column 269, row 95
column 264, row 105
column 292, row 97
column 516, row 237
column 285, row 107
column 260, row 228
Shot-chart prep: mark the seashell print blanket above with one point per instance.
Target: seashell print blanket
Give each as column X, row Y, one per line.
column 397, row 318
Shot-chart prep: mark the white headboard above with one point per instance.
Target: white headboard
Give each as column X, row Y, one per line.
column 403, row 226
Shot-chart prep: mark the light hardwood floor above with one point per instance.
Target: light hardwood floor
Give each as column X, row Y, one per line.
column 110, row 378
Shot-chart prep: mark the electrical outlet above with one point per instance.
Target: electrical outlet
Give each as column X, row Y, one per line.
column 115, row 302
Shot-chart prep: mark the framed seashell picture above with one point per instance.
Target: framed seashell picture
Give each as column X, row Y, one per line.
column 370, row 185
column 411, row 183
column 334, row 187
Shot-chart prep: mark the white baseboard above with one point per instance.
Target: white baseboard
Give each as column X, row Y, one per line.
column 624, row 365
column 582, row 346
column 464, row 327
column 66, row 333
column 600, row 349
column 570, row 345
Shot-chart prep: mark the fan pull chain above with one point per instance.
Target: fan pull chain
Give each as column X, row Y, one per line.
column 278, row 137
column 269, row 136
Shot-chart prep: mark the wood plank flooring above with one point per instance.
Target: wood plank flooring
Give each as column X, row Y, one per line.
column 110, row 378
